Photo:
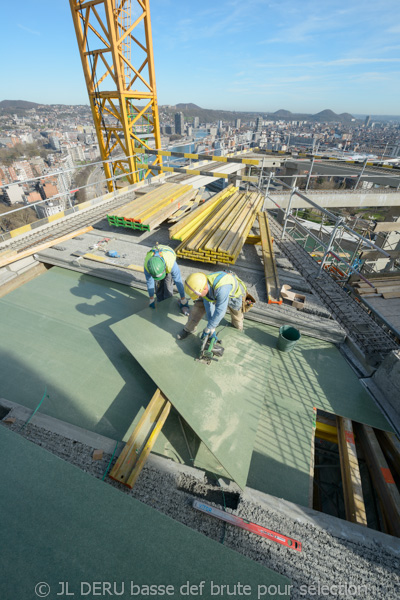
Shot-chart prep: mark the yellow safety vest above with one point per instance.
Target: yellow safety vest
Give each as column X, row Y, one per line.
column 238, row 287
column 166, row 253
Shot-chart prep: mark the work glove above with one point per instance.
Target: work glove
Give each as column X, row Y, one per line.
column 152, row 303
column 183, row 305
column 210, row 332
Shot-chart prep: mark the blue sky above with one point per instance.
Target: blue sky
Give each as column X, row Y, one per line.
column 258, row 55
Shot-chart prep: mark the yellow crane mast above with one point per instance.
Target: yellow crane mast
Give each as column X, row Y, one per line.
column 116, row 49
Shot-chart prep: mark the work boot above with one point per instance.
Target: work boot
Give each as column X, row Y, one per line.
column 182, row 335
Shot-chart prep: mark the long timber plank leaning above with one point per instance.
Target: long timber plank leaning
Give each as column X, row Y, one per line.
column 270, row 268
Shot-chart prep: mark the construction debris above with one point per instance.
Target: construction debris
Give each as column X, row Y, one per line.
column 296, row 300
column 388, row 287
column 97, row 454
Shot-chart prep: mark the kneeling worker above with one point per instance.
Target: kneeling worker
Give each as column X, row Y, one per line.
column 213, row 295
column 161, row 271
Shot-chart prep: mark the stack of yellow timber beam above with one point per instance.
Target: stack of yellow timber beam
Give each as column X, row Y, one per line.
column 388, row 287
column 270, row 268
column 217, row 231
column 148, row 211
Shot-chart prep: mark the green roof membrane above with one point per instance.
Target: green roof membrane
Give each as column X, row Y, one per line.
column 313, row 374
column 222, row 401
column 56, row 334
column 60, row 524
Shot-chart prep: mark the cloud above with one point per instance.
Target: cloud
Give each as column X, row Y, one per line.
column 340, row 62
column 32, row 31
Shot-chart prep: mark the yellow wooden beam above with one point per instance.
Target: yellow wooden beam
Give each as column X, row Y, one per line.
column 351, row 477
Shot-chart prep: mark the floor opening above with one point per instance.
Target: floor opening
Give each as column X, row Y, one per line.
column 4, row 412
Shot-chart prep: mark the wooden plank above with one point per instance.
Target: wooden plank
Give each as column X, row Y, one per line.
column 149, row 444
column 270, row 269
column 387, row 226
column 312, row 462
column 135, row 452
column 375, row 254
column 390, row 445
column 385, row 289
column 17, row 256
column 388, row 295
column 148, row 212
column 177, row 229
column 382, row 477
column 227, row 224
column 19, row 280
column 207, row 229
column 254, row 240
column 327, row 432
column 246, row 228
column 351, row 477
column 249, row 209
column 113, row 263
column 166, row 211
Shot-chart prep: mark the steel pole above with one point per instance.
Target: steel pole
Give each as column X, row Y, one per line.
column 330, row 244
column 361, row 173
column 309, row 173
column 287, row 211
column 266, row 192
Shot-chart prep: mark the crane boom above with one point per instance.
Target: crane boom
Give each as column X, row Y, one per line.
column 116, row 49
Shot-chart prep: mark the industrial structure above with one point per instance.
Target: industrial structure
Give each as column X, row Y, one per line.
column 271, row 469
column 116, row 50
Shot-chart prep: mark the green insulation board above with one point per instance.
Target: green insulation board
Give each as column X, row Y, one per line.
column 56, row 335
column 314, row 374
column 220, row 402
column 63, row 525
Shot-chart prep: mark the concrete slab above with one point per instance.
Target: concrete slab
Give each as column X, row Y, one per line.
column 63, row 525
column 221, row 402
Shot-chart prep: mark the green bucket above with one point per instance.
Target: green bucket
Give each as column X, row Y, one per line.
column 288, row 338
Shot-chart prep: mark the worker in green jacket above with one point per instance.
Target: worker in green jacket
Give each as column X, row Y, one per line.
column 161, row 271
column 213, row 295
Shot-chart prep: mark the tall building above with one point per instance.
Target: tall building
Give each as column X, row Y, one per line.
column 259, row 124
column 179, row 123
column 237, row 123
column 14, row 194
column 196, row 122
column 367, row 121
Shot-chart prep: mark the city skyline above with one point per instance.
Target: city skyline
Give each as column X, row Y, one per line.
column 239, row 56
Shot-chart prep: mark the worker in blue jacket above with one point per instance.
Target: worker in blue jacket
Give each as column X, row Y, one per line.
column 214, row 294
column 161, row 271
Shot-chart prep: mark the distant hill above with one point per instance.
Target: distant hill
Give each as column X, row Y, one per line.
column 18, row 104
column 191, row 110
column 206, row 115
column 324, row 116
column 283, row 114
column 187, row 106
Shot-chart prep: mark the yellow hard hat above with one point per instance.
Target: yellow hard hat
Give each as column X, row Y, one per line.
column 195, row 284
